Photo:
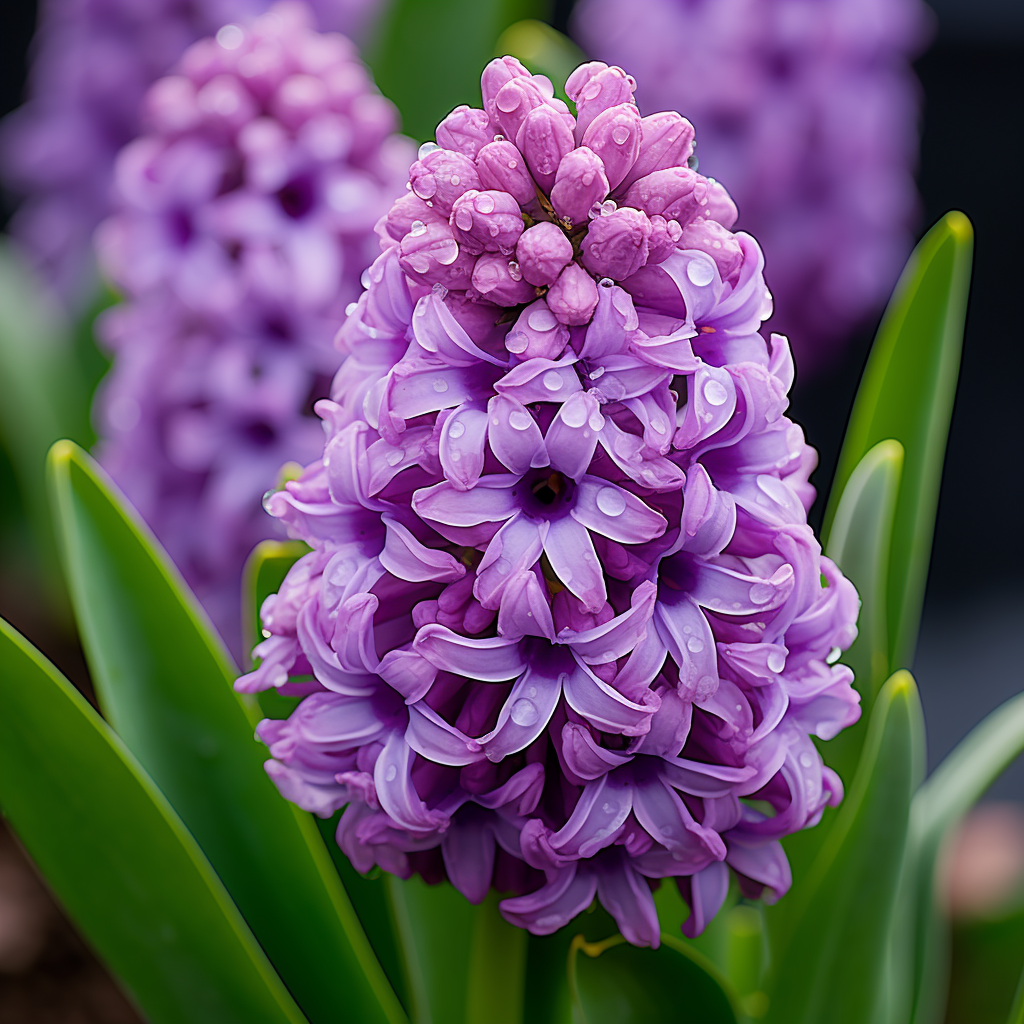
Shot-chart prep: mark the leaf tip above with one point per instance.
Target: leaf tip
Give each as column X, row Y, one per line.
column 959, row 227
column 62, row 451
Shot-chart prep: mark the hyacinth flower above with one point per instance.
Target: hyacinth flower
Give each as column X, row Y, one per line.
column 94, row 60
column 560, row 635
column 808, row 109
column 244, row 219
column 563, row 629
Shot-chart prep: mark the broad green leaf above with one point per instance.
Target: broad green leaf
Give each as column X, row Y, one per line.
column 428, row 54
column 264, row 572
column 830, row 966
column 435, row 925
column 907, row 394
column 950, row 792
column 164, row 681
column 119, row 858
column 497, row 967
column 1017, row 1010
column 613, row 982
column 986, row 953
column 544, row 50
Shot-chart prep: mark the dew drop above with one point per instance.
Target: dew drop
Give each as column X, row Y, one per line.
column 574, row 414
column 484, row 203
column 700, row 272
column 806, row 760
column 606, row 282
column 417, row 227
column 706, row 686
column 596, row 373
column 516, row 341
column 393, row 457
column 391, row 773
column 266, row 500
column 455, row 180
column 833, row 656
column 619, row 134
column 230, row 37
column 541, row 319
column 364, row 278
column 426, row 149
column 439, row 290
column 514, row 272
column 351, row 308
column 607, row 807
column 440, row 385
column 552, row 380
column 610, row 501
column 608, row 206
column 463, row 218
column 695, row 645
column 520, row 419
column 524, row 712
column 457, row 429
column 714, row 392
column 761, row 593
column 499, row 138
column 776, row 661
column 594, row 211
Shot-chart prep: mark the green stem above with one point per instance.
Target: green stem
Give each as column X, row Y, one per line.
column 497, row 968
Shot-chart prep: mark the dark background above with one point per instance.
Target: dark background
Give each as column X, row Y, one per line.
column 971, row 159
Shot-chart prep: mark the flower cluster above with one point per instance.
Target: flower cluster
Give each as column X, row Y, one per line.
column 808, row 109
column 245, row 217
column 94, row 61
column 564, row 629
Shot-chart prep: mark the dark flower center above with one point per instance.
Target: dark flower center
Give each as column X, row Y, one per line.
column 296, row 198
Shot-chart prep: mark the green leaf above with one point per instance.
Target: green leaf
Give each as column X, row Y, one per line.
column 435, row 925
column 415, row 47
column 119, row 858
column 497, row 968
column 907, row 394
column 1017, row 1010
column 832, row 964
column 951, row 791
column 615, row 983
column 544, row 50
column 164, row 681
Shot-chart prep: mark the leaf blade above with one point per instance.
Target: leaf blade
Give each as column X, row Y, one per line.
column 907, row 393
column 164, row 681
column 149, row 901
column 831, row 964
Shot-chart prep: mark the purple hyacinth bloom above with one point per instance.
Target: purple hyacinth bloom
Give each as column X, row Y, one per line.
column 94, row 61
column 244, row 217
column 808, row 110
column 564, row 631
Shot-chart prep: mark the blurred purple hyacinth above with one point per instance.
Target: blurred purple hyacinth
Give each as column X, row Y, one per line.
column 564, row 629
column 245, row 215
column 93, row 62
column 808, row 109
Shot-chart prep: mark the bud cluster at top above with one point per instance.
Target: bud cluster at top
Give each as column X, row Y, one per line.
column 564, row 630
column 244, row 219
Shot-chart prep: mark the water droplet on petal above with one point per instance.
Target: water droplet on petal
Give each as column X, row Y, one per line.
column 426, row 149
column 606, row 282
column 484, row 203
column 715, row 392
column 457, row 429
column 417, row 227
column 391, row 773
column 516, row 341
column 776, row 661
column 364, row 278
column 574, row 414
column 524, row 712
column 440, row 385
column 520, row 419
column 695, row 645
column 266, row 499
column 513, row 270
column 552, row 380
column 351, row 308
column 610, row 501
column 619, row 134
column 761, row 593
column 700, row 272
column 833, row 656
column 806, row 760
column 230, row 37
column 541, row 319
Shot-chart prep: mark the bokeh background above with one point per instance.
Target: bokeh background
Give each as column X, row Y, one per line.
column 968, row 658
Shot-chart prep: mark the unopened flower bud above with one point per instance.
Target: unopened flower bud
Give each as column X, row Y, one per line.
column 537, row 333
column 441, row 177
column 573, row 297
column 430, row 253
column 608, row 87
column 580, row 182
column 720, row 205
column 664, row 241
column 677, row 193
column 500, row 281
column 513, row 104
column 614, row 135
column 404, row 213
column 488, row 221
column 718, row 242
column 500, row 165
column 543, row 251
column 496, row 75
column 617, row 245
column 666, row 140
column 544, row 138
column 465, row 130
